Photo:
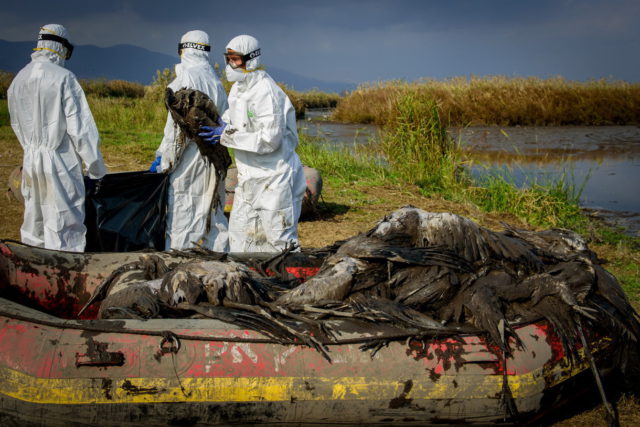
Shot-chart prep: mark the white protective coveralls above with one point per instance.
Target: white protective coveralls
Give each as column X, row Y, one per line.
column 262, row 131
column 52, row 120
column 192, row 177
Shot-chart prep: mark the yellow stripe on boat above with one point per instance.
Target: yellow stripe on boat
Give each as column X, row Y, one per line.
column 70, row 391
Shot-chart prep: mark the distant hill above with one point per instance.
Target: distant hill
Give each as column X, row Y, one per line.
column 301, row 83
column 136, row 64
column 122, row 62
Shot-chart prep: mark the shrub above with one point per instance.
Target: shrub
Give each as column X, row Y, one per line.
column 156, row 90
column 5, row 81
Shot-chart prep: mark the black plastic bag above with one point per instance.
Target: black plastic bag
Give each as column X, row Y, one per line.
column 126, row 212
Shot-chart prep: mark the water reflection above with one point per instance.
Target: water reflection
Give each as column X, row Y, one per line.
column 604, row 161
column 336, row 134
column 550, row 144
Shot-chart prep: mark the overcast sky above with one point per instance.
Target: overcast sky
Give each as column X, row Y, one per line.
column 358, row 41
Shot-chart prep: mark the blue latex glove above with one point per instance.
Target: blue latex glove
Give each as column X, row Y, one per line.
column 155, row 166
column 212, row 134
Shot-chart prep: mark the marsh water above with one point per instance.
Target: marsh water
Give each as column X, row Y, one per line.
column 602, row 163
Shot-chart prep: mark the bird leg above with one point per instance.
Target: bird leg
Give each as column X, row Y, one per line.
column 612, row 416
column 308, row 340
column 506, row 396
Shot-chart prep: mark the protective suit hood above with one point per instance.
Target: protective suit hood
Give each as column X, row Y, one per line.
column 245, row 45
column 54, row 50
column 194, row 48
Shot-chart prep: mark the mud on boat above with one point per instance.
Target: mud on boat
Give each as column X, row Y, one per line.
column 57, row 369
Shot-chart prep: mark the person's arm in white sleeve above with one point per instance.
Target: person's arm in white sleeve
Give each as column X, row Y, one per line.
column 13, row 114
column 268, row 126
column 167, row 148
column 225, row 116
column 82, row 129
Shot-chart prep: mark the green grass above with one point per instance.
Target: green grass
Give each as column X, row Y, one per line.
column 5, row 119
column 551, row 204
column 132, row 115
column 627, row 271
column 341, row 166
column 130, row 126
column 417, row 150
column 136, row 144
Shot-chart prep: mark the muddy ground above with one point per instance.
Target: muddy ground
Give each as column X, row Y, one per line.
column 343, row 213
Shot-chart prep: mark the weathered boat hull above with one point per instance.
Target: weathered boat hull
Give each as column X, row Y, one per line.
column 61, row 282
column 202, row 371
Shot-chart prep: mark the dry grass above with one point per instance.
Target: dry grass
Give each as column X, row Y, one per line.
column 112, row 88
column 501, row 101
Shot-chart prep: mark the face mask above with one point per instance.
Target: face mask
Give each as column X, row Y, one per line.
column 235, row 74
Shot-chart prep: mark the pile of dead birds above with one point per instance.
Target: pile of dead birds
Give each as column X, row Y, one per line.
column 429, row 274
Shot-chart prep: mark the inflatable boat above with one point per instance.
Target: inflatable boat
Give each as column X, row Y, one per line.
column 58, row 369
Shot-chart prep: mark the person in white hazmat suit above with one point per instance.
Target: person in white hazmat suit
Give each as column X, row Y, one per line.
column 192, row 177
column 52, row 120
column 261, row 128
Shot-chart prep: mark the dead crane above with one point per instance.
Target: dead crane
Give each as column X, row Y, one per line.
column 430, row 273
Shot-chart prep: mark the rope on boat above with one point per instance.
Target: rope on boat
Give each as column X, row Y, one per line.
column 158, row 333
column 611, row 415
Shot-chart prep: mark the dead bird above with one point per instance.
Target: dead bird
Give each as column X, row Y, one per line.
column 191, row 109
column 429, row 274
column 453, row 270
column 146, row 268
column 210, row 281
column 332, row 283
column 213, row 281
column 136, row 301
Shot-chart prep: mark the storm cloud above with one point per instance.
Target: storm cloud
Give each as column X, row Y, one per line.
column 358, row 41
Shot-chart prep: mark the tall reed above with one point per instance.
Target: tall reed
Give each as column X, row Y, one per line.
column 419, row 151
column 316, row 99
column 418, row 148
column 501, row 101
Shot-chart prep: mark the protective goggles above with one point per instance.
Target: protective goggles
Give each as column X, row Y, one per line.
column 61, row 40
column 245, row 58
column 193, row 45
